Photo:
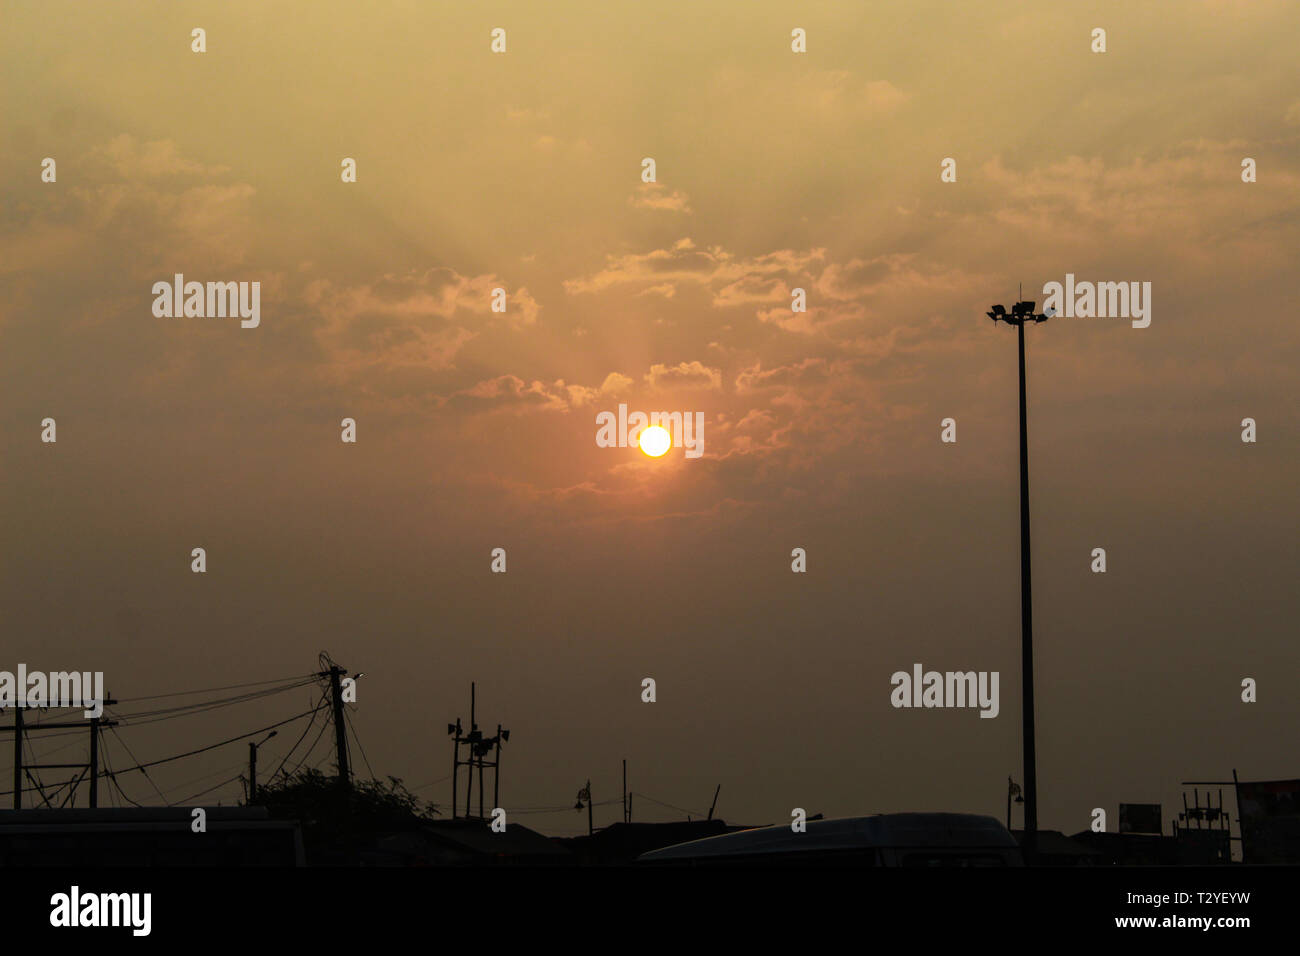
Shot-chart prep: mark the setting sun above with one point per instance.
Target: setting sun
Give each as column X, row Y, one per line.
column 655, row 440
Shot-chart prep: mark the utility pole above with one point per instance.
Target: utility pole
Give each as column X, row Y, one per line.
column 252, row 767
column 340, row 732
column 591, row 826
column 19, row 729
column 455, row 762
column 625, row 816
column 479, row 747
column 1021, row 313
column 715, row 801
column 96, row 725
column 473, row 735
column 496, row 771
column 252, row 773
column 94, row 762
column 18, row 758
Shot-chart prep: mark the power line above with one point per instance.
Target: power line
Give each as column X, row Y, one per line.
column 191, row 753
column 598, row 803
column 357, row 738
column 142, row 770
column 244, row 695
column 112, row 778
column 671, row 807
column 229, row 740
column 206, row 776
column 209, row 790
column 208, row 690
column 73, row 784
column 34, row 778
column 139, row 718
column 305, row 731
column 312, row 749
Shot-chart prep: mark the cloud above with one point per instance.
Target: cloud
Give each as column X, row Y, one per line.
column 438, row 292
column 614, row 383
column 808, row 370
column 753, row 288
column 684, row 262
column 418, row 318
column 660, row 197
column 1148, row 200
column 667, row 290
column 125, row 156
column 511, row 393
column 815, row 319
column 842, row 296
column 844, row 93
column 684, row 375
column 134, row 211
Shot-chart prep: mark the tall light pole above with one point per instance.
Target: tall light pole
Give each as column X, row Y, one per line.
column 1021, row 313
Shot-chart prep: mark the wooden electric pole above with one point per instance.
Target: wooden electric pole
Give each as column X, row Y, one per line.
column 340, row 731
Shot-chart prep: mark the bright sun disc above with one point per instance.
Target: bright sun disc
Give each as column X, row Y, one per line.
column 655, row 440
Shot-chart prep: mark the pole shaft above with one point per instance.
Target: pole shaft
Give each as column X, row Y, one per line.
column 469, row 782
column 496, row 773
column 252, row 773
column 469, row 764
column 18, row 758
column 94, row 763
column 1027, row 624
column 1236, row 794
column 340, row 734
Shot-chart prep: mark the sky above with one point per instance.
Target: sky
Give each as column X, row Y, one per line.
column 476, row 429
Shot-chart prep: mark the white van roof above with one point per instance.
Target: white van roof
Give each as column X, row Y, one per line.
column 849, row 833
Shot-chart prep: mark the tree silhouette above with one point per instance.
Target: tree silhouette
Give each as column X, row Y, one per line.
column 337, row 822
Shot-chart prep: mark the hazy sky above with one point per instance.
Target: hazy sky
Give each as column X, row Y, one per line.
column 476, row 430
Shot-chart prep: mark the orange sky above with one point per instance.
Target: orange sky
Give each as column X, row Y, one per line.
column 476, row 429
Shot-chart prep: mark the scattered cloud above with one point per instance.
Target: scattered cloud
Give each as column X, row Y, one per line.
column 660, row 197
